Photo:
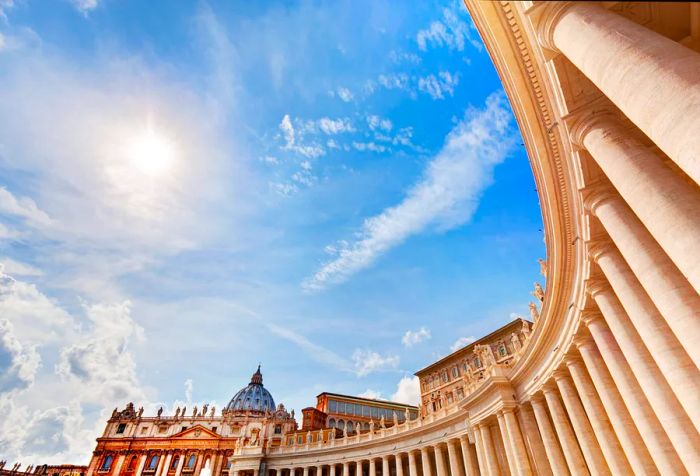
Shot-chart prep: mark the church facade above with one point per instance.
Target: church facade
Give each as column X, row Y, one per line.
column 605, row 380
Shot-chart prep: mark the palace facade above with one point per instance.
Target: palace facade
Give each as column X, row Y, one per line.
column 605, row 380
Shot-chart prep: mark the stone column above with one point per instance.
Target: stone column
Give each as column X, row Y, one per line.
column 582, row 427
column 667, row 205
column 517, row 446
column 480, row 455
column 674, row 363
column 425, row 461
column 412, row 469
column 346, row 468
column 642, row 415
column 139, row 467
column 399, row 464
column 456, row 468
column 469, row 457
column 572, row 453
column 534, row 441
column 440, row 464
column 510, row 460
column 651, row 78
column 180, row 464
column 489, row 451
column 549, row 437
column 372, row 467
column 198, row 464
column 166, row 464
column 305, row 471
column 670, row 292
column 118, row 465
column 385, row 466
column 661, row 397
column 598, row 418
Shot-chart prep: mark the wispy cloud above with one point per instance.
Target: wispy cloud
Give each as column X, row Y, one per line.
column 411, row 338
column 439, row 86
column 368, row 361
column 462, row 342
column 314, row 351
column 446, row 197
column 451, row 32
column 344, row 94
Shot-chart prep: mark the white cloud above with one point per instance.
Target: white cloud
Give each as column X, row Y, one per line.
column 85, row 6
column 313, row 351
column 407, row 391
column 288, row 130
column 367, row 361
column 345, row 94
column 462, row 342
column 15, row 268
column 395, row 81
column 335, row 126
column 446, row 197
column 439, row 86
column 189, row 386
column 369, row 146
column 372, row 394
column 23, row 207
column 451, row 32
column 375, row 122
column 18, row 363
column 411, row 338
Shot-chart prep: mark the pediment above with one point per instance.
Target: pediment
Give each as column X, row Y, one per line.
column 196, row 432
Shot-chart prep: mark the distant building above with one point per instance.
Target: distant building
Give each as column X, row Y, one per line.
column 346, row 412
column 42, row 470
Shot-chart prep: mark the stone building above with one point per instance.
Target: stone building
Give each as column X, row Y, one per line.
column 607, row 97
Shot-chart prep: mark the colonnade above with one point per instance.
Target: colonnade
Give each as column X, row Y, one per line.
column 169, row 462
column 454, row 456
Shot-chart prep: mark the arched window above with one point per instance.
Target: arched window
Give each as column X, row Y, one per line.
column 455, row 372
column 191, row 460
column 107, row 463
column 176, row 460
column 502, row 350
column 341, row 425
column 477, row 363
column 331, row 423
column 153, row 462
column 132, row 463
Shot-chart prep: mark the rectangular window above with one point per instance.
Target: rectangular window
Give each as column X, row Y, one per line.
column 366, row 411
column 332, row 406
column 121, row 428
column 375, row 412
column 214, row 428
column 144, row 430
column 341, row 407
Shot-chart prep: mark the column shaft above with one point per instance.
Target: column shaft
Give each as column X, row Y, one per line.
column 480, row 451
column 572, row 453
column 489, row 451
column 603, row 430
column 651, row 78
column 552, row 447
column 641, row 412
column 412, row 467
column 346, row 469
column 668, row 206
column 661, row 397
column 534, row 441
column 517, row 445
column 180, row 464
column 385, row 466
column 671, row 293
column 582, row 427
column 510, row 459
column 425, row 461
column 456, row 468
column 331, row 470
column 399, row 464
column 440, row 464
column 674, row 363
column 372, row 467
column 469, row 457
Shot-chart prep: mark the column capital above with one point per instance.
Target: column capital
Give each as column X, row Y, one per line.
column 590, row 315
column 560, row 374
column 545, row 17
column 575, row 359
column 594, row 287
column 537, row 398
column 598, row 247
column 597, row 195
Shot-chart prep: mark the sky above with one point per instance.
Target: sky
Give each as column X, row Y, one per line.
column 336, row 190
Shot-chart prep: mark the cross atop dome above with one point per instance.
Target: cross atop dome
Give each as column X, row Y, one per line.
column 257, row 377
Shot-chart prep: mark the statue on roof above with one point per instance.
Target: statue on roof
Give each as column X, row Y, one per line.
column 543, row 267
column 538, row 292
column 534, row 313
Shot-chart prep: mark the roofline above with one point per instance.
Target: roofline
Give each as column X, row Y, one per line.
column 370, row 400
column 467, row 348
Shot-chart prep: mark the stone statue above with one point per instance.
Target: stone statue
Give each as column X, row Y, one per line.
column 177, row 412
column 543, row 267
column 114, row 415
column 358, row 428
column 396, row 418
column 534, row 313
column 526, row 330
column 292, row 414
column 382, row 424
column 194, row 412
column 160, row 412
column 515, row 342
column 184, row 410
column 408, row 415
column 140, row 412
column 486, row 355
column 213, row 410
column 204, row 409
column 538, row 292
column 371, row 425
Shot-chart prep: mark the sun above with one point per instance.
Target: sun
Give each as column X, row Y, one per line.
column 152, row 153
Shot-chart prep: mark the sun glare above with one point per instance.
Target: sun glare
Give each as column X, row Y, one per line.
column 152, row 153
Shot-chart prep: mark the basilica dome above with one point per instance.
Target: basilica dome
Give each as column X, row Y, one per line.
column 254, row 397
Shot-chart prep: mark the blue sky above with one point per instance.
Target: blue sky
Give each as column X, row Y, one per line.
column 334, row 189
